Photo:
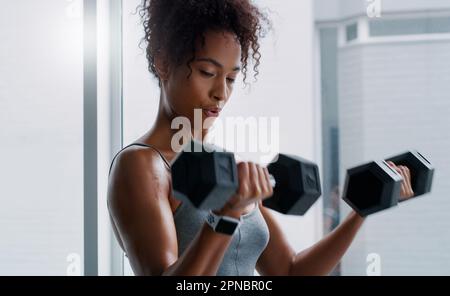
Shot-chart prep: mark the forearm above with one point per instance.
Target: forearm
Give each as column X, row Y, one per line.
column 321, row 258
column 203, row 256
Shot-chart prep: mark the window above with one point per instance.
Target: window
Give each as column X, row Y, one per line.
column 380, row 99
column 351, row 32
column 413, row 26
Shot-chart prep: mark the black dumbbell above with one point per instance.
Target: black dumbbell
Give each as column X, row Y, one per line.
column 375, row 186
column 297, row 184
column 208, row 178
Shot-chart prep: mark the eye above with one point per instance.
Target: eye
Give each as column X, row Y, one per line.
column 206, row 73
column 231, row 80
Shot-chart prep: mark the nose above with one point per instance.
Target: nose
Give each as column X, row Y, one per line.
column 220, row 92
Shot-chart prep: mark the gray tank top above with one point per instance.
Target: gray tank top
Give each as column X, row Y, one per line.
column 248, row 242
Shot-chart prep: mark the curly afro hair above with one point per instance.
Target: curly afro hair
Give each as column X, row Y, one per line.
column 172, row 27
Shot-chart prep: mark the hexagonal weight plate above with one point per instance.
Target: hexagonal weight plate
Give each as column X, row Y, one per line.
column 372, row 187
column 297, row 184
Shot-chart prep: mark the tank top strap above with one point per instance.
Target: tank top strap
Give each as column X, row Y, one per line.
column 166, row 162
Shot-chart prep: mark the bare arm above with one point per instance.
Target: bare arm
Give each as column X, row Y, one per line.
column 321, row 258
column 279, row 258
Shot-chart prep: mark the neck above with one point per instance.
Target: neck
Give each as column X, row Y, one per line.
column 161, row 134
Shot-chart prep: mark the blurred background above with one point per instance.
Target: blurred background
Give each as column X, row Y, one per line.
column 349, row 81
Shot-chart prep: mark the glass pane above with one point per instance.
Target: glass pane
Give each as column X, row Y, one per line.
column 409, row 26
column 41, row 155
column 330, row 139
column 379, row 100
column 351, row 32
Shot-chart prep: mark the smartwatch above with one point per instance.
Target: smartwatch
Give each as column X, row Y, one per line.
column 222, row 224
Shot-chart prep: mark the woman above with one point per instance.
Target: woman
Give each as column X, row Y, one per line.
column 196, row 48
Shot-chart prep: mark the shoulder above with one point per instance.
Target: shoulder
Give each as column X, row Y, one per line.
column 138, row 159
column 139, row 168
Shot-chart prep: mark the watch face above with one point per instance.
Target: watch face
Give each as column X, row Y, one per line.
column 225, row 226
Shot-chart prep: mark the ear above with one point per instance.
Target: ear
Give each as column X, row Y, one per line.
column 162, row 67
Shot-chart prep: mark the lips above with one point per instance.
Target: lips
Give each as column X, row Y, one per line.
column 211, row 112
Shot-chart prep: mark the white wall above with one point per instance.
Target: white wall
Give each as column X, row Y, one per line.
column 284, row 89
column 41, row 151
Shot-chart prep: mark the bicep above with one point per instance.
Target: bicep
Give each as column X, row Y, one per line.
column 277, row 257
column 139, row 205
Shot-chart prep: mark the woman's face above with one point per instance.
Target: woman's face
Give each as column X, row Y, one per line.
column 214, row 70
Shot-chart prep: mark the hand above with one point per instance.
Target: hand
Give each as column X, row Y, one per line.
column 254, row 185
column 406, row 189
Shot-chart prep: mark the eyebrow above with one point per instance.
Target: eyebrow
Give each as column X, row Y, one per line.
column 216, row 63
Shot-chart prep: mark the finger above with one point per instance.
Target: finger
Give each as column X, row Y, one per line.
column 255, row 187
column 243, row 189
column 390, row 163
column 243, row 173
column 266, row 175
column 397, row 169
column 408, row 180
column 263, row 182
column 405, row 181
column 393, row 166
column 403, row 191
column 408, row 174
